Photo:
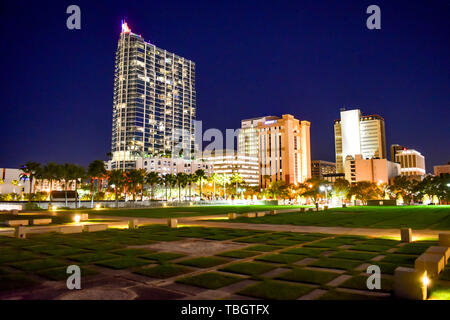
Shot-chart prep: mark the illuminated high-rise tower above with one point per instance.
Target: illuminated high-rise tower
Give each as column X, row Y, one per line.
column 154, row 102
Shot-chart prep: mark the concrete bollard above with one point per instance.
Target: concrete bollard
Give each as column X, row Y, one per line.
column 70, row 229
column 344, row 205
column 260, row 214
column 172, row 223
column 41, row 221
column 325, row 207
column 409, row 284
column 406, row 235
column 273, row 212
column 15, row 212
column 302, row 209
column 444, row 239
column 433, row 264
column 95, row 227
column 444, row 251
column 133, row 224
column 20, row 233
column 232, row 215
column 249, row 215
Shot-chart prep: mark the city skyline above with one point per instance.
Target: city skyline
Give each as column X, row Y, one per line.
column 230, row 78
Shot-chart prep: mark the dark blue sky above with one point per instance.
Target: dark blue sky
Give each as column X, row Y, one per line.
column 254, row 58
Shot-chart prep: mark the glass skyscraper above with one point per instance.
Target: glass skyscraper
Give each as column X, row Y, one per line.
column 154, row 102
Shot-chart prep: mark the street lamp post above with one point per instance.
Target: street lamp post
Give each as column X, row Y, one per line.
column 325, row 188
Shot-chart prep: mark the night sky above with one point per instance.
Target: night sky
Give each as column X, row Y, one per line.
column 253, row 58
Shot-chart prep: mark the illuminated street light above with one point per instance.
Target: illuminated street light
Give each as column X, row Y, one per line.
column 326, row 189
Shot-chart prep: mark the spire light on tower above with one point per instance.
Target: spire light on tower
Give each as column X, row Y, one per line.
column 125, row 28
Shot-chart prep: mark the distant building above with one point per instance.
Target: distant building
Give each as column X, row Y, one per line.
column 442, row 169
column 284, row 150
column 394, row 149
column 319, row 168
column 332, row 177
column 229, row 162
column 356, row 134
column 163, row 165
column 411, row 161
column 248, row 143
column 154, row 102
column 373, row 170
column 13, row 181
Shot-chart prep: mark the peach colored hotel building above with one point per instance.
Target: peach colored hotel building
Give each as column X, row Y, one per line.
column 284, row 150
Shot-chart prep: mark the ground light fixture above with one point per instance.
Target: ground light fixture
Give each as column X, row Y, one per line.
column 98, row 206
column 77, row 218
column 425, row 280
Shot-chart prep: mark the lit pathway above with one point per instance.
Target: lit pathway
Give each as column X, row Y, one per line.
column 205, row 221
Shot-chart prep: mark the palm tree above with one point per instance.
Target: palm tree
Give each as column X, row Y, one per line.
column 181, row 180
column 191, row 178
column 67, row 171
column 236, row 178
column 50, row 173
column 96, row 171
column 201, row 176
column 214, row 178
column 116, row 178
column 169, row 181
column 224, row 180
column 77, row 175
column 153, row 179
column 31, row 168
column 136, row 179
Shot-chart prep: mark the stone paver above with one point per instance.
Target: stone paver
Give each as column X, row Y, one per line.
column 378, row 258
column 336, row 282
column 317, row 293
column 363, row 267
column 275, row 272
column 305, row 261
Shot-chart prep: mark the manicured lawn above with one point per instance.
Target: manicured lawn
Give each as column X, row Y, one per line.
column 275, row 290
column 416, row 217
column 353, row 255
column 308, row 276
column 204, row 262
column 249, row 268
column 263, row 248
column 439, row 291
column 163, row 271
column 57, row 274
column 360, row 283
column 415, row 248
column 123, row 263
column 93, row 257
column 312, row 252
column 161, row 256
column 176, row 212
column 35, row 265
column 238, row 254
column 336, row 263
column 280, row 258
column 400, row 259
column 210, row 280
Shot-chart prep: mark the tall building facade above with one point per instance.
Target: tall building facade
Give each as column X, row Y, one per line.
column 154, row 105
column 248, row 143
column 319, row 168
column 442, row 169
column 229, row 162
column 357, row 134
column 284, row 150
column 411, row 161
